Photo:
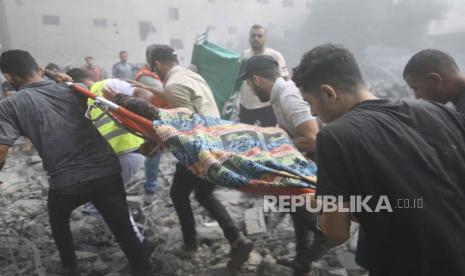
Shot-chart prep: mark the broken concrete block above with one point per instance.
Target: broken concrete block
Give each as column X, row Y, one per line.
column 30, row 206
column 38, row 229
column 332, row 272
column 255, row 220
column 347, row 260
column 211, row 233
column 100, row 267
column 76, row 215
column 34, row 159
column 267, row 268
column 254, row 258
column 86, row 256
column 135, row 199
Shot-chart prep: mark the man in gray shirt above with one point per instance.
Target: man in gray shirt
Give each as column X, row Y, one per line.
column 293, row 114
column 123, row 69
column 81, row 165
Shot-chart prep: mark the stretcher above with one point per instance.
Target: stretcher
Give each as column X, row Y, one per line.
column 219, row 67
column 277, row 170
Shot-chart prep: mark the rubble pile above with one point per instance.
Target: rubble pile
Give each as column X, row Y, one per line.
column 27, row 246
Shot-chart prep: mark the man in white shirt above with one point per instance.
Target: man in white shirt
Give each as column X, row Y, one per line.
column 261, row 74
column 251, row 108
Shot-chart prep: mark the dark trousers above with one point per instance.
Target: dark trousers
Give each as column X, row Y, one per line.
column 361, row 255
column 183, row 184
column 109, row 197
column 304, row 223
column 264, row 115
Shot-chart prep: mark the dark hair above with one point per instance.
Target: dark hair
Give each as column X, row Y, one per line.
column 88, row 57
column 270, row 74
column 77, row 74
column 52, row 66
column 18, row 62
column 328, row 64
column 257, row 26
column 163, row 53
column 149, row 49
column 430, row 61
column 122, row 52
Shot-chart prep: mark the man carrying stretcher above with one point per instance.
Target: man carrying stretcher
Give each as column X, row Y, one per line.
column 81, row 165
column 185, row 88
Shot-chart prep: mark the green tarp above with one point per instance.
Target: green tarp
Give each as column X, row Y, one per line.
column 219, row 67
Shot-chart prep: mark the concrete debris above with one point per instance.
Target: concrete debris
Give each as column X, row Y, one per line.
column 268, row 267
column 27, row 246
column 30, row 206
column 255, row 220
column 255, row 258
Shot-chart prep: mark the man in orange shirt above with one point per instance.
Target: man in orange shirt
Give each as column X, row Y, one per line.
column 152, row 163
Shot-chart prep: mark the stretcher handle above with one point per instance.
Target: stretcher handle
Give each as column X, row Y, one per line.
column 128, row 118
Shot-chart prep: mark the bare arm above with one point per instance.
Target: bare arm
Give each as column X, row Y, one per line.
column 336, row 225
column 306, row 139
column 334, row 180
column 3, row 153
column 138, row 106
column 159, row 93
column 58, row 77
column 144, row 94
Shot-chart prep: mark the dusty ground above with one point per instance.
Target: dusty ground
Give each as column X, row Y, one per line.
column 27, row 248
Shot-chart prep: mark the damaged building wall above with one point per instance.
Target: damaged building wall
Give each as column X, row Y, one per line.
column 103, row 28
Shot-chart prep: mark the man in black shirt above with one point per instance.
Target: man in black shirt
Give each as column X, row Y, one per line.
column 434, row 75
column 402, row 151
column 81, row 165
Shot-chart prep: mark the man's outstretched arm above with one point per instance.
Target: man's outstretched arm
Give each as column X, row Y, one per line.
column 159, row 92
column 136, row 105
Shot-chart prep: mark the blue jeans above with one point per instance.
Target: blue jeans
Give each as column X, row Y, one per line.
column 130, row 163
column 151, row 172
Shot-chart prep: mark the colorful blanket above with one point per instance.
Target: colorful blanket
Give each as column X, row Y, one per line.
column 246, row 157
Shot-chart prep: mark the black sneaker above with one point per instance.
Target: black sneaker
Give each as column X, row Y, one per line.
column 299, row 269
column 240, row 250
column 319, row 247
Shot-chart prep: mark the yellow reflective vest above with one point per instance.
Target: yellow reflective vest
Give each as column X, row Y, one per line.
column 120, row 139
